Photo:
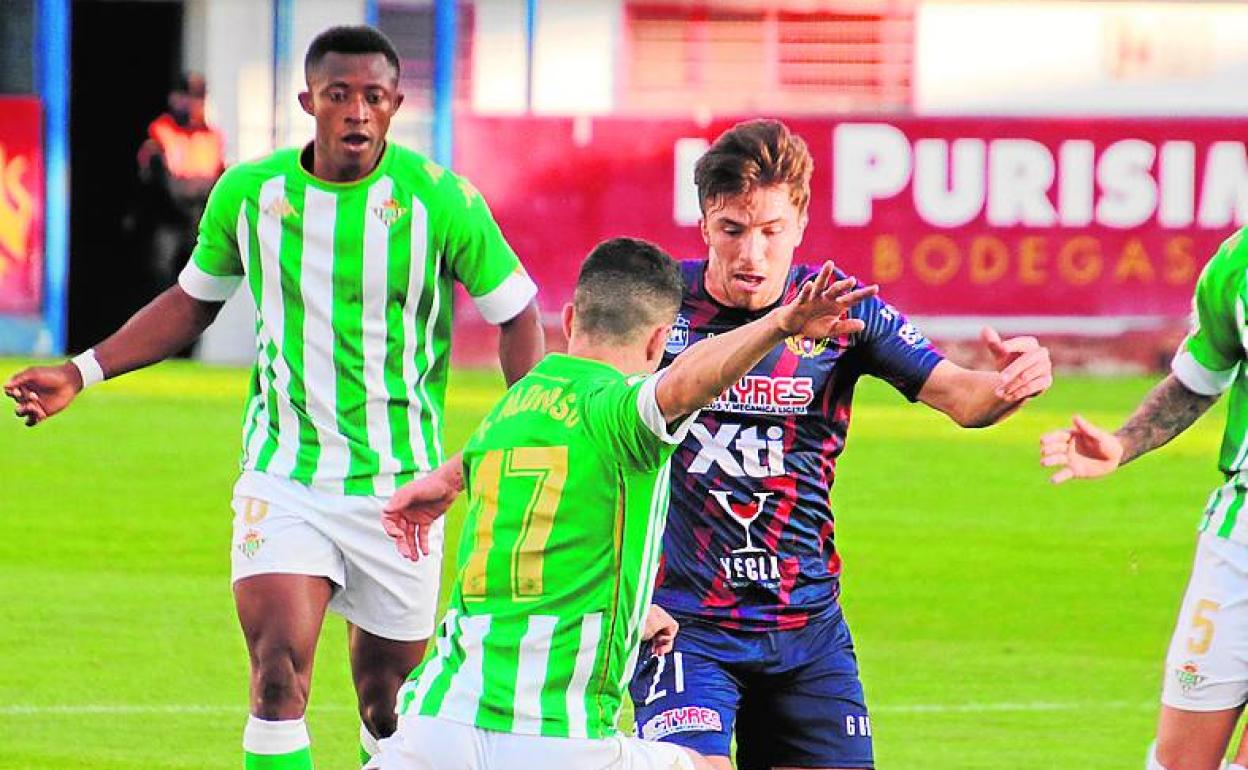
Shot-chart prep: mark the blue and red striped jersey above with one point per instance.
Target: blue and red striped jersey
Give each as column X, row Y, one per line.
column 750, row 541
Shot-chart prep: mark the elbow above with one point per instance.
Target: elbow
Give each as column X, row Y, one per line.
column 975, row 421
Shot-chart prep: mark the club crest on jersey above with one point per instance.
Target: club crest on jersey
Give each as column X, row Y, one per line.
column 389, row 212
column 805, row 346
column 281, row 208
column 1189, row 676
column 749, row 563
column 678, row 337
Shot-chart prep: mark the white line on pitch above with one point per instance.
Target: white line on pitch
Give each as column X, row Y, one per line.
column 979, row 708
column 122, row 709
column 900, row 708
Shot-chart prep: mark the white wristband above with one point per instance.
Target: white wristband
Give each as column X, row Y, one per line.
column 88, row 367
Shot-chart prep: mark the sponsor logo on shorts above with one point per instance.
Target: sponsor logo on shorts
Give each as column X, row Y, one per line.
column 1189, row 676
column 686, row 719
column 858, row 725
column 250, row 545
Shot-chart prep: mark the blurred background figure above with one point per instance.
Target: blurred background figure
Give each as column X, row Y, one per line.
column 179, row 161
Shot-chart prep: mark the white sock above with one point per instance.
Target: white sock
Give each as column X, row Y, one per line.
column 1152, row 763
column 262, row 736
column 368, row 744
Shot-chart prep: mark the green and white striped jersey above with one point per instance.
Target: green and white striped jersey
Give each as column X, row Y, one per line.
column 568, row 487
column 353, row 286
column 1209, row 361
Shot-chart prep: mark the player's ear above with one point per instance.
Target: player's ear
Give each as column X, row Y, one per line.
column 704, row 228
column 305, row 101
column 656, row 343
column 568, row 314
column 802, row 220
column 398, row 101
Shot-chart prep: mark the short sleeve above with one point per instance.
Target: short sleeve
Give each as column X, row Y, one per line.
column 481, row 258
column 1208, row 359
column 215, row 268
column 624, row 419
column 892, row 348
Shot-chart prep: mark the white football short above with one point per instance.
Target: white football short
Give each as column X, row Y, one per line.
column 429, row 743
column 1207, row 664
column 282, row 526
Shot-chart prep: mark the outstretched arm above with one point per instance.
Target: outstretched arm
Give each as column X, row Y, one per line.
column 1086, row 451
column 409, row 514
column 976, row 399
column 1167, row 410
column 163, row 327
column 707, row 369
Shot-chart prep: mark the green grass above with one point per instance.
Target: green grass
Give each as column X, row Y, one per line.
column 1000, row 622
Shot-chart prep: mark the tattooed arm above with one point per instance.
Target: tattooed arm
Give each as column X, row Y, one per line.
column 1086, row 451
column 1167, row 410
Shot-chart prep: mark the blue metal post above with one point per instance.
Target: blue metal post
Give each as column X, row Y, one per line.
column 445, row 35
column 372, row 14
column 282, row 20
column 52, row 81
column 530, row 34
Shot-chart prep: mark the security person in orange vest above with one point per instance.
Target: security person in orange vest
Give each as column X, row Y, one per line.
column 178, row 164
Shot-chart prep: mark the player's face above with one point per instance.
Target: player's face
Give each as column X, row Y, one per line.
column 353, row 97
column 751, row 238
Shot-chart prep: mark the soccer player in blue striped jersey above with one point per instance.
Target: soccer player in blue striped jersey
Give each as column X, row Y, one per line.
column 750, row 566
column 350, row 248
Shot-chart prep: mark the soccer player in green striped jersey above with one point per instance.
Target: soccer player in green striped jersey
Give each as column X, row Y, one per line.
column 350, row 248
column 1206, row 673
column 568, row 480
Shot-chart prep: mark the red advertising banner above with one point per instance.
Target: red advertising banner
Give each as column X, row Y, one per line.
column 951, row 216
column 21, row 205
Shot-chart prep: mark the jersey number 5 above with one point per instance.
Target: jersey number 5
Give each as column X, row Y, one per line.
column 546, row 468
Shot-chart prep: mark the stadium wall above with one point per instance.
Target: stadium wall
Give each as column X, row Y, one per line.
column 1090, row 232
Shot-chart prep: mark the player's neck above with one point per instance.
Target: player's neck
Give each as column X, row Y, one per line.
column 626, row 360
column 321, row 165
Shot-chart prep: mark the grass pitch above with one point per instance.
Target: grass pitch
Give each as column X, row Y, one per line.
column 1000, row 622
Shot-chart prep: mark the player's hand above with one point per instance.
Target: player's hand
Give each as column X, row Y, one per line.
column 1023, row 362
column 1083, row 452
column 660, row 630
column 409, row 514
column 42, row 391
column 818, row 311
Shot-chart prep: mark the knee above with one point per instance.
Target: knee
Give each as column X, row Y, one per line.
column 279, row 688
column 377, row 707
column 380, row 721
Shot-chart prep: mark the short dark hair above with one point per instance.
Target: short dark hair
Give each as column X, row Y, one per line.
column 754, row 154
column 626, row 286
column 355, row 39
